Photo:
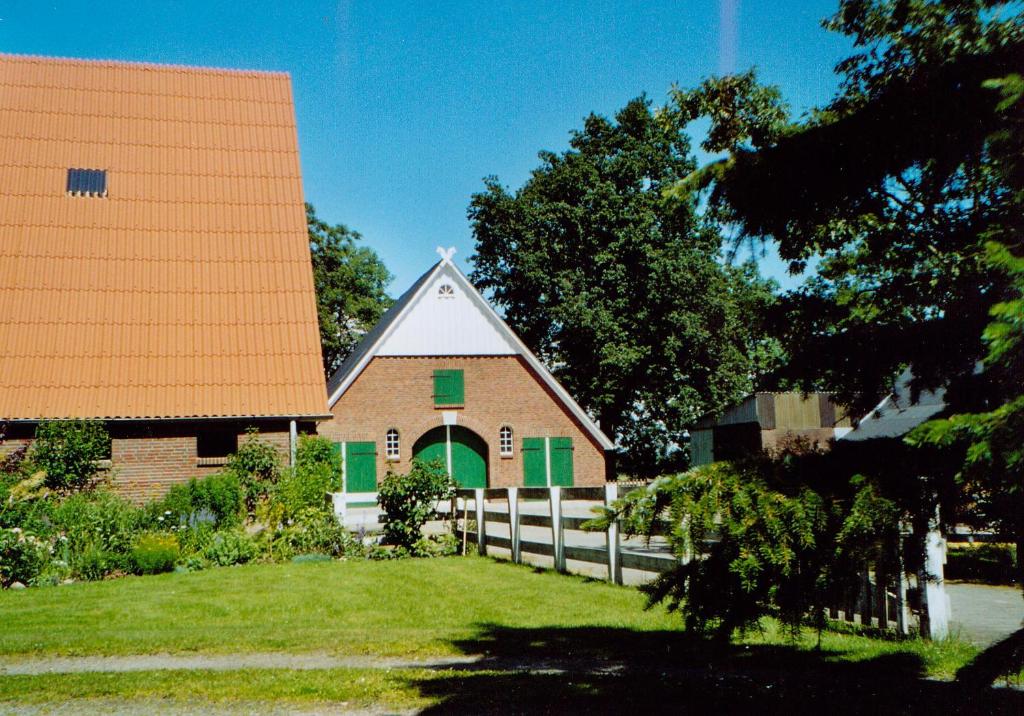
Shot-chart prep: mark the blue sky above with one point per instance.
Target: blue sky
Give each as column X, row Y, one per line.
column 403, row 108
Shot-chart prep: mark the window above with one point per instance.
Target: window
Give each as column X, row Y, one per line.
column 448, row 388
column 445, row 291
column 216, row 443
column 392, row 445
column 505, row 441
column 87, row 182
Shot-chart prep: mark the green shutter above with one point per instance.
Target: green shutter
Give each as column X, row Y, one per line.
column 449, row 388
column 561, row 462
column 361, row 467
column 535, row 471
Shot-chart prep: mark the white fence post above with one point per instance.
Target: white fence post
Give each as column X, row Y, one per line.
column 611, row 494
column 513, row 523
column 557, row 532
column 934, row 600
column 481, row 528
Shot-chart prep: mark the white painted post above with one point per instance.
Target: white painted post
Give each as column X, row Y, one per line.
column 934, row 600
column 611, row 493
column 481, row 528
column 513, row 523
column 902, row 608
column 557, row 533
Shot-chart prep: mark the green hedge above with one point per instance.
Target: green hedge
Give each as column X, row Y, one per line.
column 991, row 563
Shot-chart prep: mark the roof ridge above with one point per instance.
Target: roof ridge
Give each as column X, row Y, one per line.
column 143, row 65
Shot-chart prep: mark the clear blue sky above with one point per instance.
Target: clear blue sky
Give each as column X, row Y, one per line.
column 403, row 108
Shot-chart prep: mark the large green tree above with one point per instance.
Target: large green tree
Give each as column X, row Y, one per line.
column 351, row 287
column 622, row 293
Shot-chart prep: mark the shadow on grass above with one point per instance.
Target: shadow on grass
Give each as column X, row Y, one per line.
column 609, row 670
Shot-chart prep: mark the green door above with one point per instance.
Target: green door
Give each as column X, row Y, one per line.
column 535, row 471
column 468, row 451
column 561, row 461
column 360, row 467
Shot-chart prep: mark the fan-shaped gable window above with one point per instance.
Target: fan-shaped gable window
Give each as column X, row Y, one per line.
column 445, row 290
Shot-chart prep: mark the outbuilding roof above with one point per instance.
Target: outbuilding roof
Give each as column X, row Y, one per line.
column 172, row 278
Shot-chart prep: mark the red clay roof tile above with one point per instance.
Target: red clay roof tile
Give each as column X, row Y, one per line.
column 187, row 291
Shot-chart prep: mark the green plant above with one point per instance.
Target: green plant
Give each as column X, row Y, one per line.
column 314, row 532
column 317, row 471
column 101, row 519
column 155, row 553
column 230, row 547
column 218, row 499
column 68, row 451
column 22, row 557
column 409, row 501
column 257, row 465
column 95, row 563
column 991, row 563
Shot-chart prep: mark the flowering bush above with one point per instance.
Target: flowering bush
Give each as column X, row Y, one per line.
column 155, row 553
column 22, row 557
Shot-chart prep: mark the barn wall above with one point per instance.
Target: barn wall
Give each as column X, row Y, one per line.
column 397, row 392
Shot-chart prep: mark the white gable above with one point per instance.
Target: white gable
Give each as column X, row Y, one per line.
column 445, row 320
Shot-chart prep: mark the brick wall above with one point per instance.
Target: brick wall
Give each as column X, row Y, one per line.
column 397, row 392
column 147, row 458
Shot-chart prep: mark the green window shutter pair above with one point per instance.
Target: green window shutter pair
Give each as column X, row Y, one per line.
column 540, row 454
column 360, row 466
column 449, row 388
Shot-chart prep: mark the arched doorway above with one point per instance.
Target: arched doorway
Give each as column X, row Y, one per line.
column 461, row 450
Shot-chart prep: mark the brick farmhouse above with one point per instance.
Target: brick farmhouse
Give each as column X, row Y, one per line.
column 154, row 262
column 443, row 377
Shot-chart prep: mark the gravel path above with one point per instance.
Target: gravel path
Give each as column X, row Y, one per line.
column 983, row 614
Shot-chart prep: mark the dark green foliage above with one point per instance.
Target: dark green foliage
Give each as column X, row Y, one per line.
column 317, row 471
column 154, row 553
column 68, row 452
column 230, row 547
column 98, row 519
column 218, row 499
column 22, row 557
column 410, row 500
column 756, row 539
column 621, row 292
column 990, row 563
column 257, row 465
column 351, row 283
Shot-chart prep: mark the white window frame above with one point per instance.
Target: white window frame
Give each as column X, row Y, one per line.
column 393, row 444
column 445, row 290
column 506, row 447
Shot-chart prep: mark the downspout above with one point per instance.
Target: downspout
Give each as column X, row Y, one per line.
column 293, row 439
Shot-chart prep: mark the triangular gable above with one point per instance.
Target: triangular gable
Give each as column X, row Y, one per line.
column 425, row 323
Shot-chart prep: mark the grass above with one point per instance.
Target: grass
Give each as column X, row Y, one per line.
column 510, row 615
column 395, row 608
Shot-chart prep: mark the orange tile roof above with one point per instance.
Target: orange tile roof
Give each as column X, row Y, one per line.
column 188, row 290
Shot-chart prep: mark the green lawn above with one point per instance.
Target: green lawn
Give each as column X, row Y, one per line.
column 510, row 615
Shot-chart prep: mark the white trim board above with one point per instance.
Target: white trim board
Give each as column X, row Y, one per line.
column 502, row 336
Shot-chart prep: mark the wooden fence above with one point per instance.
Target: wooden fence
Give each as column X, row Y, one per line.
column 472, row 505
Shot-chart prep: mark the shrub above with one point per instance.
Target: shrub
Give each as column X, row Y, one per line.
column 22, row 557
column 68, row 452
column 314, row 532
column 317, row 471
column 100, row 518
column 95, row 563
column 409, row 501
column 155, row 553
column 219, row 496
column 228, row 548
column 991, row 563
column 257, row 465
